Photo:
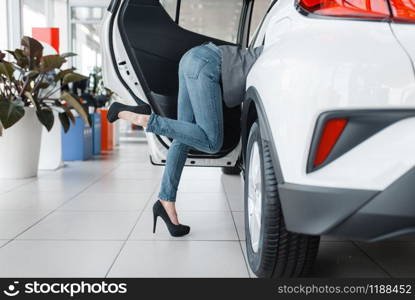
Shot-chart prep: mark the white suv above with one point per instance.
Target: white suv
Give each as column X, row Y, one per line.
column 326, row 134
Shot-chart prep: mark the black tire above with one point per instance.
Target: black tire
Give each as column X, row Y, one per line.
column 280, row 253
column 231, row 170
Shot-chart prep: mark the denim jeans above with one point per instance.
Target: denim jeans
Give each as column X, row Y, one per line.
column 200, row 114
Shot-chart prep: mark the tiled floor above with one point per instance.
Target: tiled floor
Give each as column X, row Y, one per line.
column 93, row 219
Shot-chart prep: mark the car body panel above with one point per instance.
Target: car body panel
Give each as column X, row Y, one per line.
column 310, row 66
column 405, row 33
column 111, row 37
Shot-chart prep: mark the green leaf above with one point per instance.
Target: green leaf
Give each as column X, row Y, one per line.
column 7, row 69
column 10, row 113
column 68, row 54
column 32, row 48
column 62, row 74
column 73, row 77
column 76, row 104
column 70, row 115
column 46, row 117
column 21, row 59
column 43, row 85
column 31, row 74
column 51, row 62
column 63, row 117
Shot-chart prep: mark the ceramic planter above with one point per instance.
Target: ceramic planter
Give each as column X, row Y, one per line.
column 20, row 148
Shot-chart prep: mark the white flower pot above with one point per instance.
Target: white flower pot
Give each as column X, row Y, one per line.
column 20, row 148
column 51, row 147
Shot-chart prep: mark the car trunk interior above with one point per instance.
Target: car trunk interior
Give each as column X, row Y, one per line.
column 155, row 44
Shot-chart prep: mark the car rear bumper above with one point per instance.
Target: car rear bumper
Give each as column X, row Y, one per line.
column 357, row 214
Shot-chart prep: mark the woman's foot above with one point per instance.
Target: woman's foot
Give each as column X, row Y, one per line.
column 116, row 108
column 159, row 210
column 170, row 208
column 134, row 118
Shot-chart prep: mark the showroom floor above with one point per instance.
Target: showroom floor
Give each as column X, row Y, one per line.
column 93, row 219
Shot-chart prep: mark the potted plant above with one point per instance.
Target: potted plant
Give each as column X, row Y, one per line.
column 97, row 96
column 28, row 88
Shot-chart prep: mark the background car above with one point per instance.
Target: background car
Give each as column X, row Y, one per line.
column 325, row 135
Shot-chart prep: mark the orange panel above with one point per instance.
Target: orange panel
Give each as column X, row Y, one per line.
column 48, row 35
column 107, row 135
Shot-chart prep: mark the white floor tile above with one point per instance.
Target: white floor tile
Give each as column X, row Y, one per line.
column 201, row 202
column 234, row 188
column 32, row 201
column 10, row 184
column 198, row 174
column 239, row 218
column 197, row 202
column 236, row 202
column 15, row 222
column 146, row 173
column 107, row 202
column 66, row 186
column 396, row 257
column 204, row 226
column 208, row 186
column 243, row 246
column 136, row 167
column 68, row 225
column 344, row 260
column 122, row 186
column 3, row 242
column 57, row 258
column 84, row 235
column 180, row 259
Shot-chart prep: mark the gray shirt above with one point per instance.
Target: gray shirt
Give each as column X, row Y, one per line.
column 236, row 64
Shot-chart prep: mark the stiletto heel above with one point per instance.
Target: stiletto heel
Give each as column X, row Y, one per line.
column 154, row 222
column 118, row 107
column 175, row 230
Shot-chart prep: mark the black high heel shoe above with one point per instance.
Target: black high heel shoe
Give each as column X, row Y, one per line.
column 175, row 230
column 118, row 107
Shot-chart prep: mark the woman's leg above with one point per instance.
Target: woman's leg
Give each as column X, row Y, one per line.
column 201, row 70
column 176, row 156
column 200, row 118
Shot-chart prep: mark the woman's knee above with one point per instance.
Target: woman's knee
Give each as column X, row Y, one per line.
column 215, row 144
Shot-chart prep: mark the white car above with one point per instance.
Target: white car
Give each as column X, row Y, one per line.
column 326, row 134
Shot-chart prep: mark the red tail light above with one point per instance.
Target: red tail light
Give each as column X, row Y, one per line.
column 403, row 10
column 331, row 132
column 367, row 9
column 396, row 10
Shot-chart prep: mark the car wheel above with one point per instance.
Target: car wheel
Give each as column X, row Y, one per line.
column 231, row 170
column 272, row 250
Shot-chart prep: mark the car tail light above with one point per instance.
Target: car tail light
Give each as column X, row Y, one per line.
column 388, row 10
column 365, row 9
column 330, row 134
column 403, row 10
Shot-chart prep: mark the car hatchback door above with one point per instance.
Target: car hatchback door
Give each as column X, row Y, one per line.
column 144, row 41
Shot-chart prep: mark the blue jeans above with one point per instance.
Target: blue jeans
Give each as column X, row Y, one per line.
column 200, row 114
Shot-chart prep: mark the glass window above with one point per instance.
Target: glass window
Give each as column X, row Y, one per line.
column 170, row 6
column 33, row 15
column 258, row 13
column 87, row 13
column 214, row 18
column 3, row 25
column 86, row 27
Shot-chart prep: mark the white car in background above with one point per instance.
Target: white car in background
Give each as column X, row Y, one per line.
column 326, row 135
